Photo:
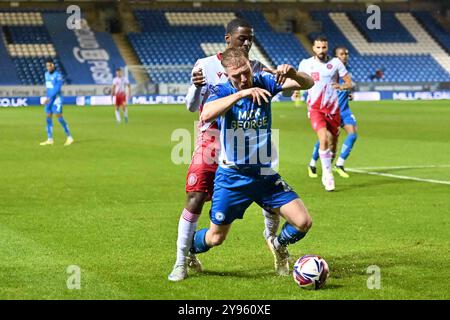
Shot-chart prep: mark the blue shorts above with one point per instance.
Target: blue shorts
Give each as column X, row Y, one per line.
column 230, row 203
column 55, row 107
column 347, row 118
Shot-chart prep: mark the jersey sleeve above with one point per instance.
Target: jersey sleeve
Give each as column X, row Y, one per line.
column 217, row 92
column 342, row 70
column 302, row 66
column 268, row 81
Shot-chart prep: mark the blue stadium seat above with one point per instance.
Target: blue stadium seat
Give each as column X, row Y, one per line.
column 160, row 43
column 31, row 69
column 28, row 34
column 434, row 29
column 397, row 68
column 392, row 30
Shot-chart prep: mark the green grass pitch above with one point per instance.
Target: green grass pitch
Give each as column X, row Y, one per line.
column 110, row 204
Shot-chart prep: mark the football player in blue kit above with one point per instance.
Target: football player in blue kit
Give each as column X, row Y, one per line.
column 242, row 107
column 53, row 103
column 348, row 122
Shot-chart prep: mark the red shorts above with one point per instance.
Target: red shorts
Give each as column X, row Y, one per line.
column 321, row 120
column 201, row 172
column 200, row 176
column 121, row 99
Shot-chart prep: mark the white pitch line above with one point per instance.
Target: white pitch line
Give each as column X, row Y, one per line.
column 397, row 176
column 404, row 167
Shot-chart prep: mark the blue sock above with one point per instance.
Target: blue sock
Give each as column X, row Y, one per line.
column 348, row 145
column 199, row 243
column 64, row 125
column 289, row 235
column 49, row 128
column 315, row 154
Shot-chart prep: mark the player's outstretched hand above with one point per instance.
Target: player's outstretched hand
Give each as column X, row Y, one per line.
column 257, row 95
column 282, row 73
column 198, row 79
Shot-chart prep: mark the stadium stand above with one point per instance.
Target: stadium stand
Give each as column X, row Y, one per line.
column 6, row 64
column 371, row 50
column 281, row 47
column 433, row 28
column 392, row 30
column 170, row 41
column 29, row 38
column 28, row 34
column 180, row 37
column 28, row 44
column 199, row 34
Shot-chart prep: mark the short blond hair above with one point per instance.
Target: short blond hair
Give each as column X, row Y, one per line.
column 234, row 57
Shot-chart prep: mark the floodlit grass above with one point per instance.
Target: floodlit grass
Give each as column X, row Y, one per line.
column 110, row 204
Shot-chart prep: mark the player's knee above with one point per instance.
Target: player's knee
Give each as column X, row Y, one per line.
column 322, row 140
column 195, row 202
column 304, row 224
column 308, row 224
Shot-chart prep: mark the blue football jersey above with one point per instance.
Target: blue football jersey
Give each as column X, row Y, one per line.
column 245, row 129
column 53, row 83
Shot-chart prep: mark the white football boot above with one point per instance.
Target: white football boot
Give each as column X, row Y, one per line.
column 69, row 141
column 328, row 181
column 178, row 273
column 281, row 257
column 48, row 142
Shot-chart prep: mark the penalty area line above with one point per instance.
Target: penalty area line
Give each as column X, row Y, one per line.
column 404, row 167
column 397, row 176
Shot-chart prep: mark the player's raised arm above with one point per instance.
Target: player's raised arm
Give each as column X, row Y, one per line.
column 194, row 95
column 290, row 79
column 215, row 108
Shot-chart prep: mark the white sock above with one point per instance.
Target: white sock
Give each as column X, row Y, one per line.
column 271, row 221
column 325, row 159
column 186, row 228
column 312, row 163
column 125, row 114
column 340, row 162
column 118, row 115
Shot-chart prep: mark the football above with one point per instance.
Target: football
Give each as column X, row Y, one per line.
column 311, row 272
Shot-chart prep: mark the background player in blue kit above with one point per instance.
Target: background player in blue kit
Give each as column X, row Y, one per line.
column 53, row 103
column 348, row 122
column 243, row 110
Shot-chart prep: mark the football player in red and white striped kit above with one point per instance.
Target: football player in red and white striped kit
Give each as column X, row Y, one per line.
column 120, row 83
column 207, row 73
column 323, row 106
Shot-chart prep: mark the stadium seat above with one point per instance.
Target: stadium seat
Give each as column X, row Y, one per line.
column 397, row 67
